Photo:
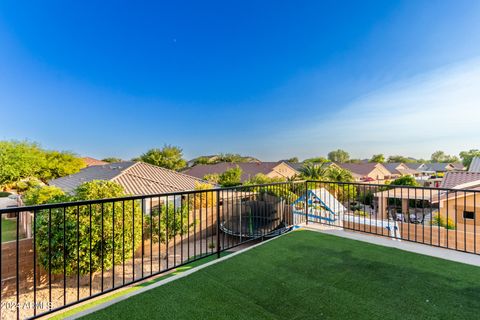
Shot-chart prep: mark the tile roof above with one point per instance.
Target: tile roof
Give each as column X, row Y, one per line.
column 360, row 169
column 93, row 162
column 459, row 179
column 399, row 168
column 249, row 169
column 474, row 165
column 137, row 178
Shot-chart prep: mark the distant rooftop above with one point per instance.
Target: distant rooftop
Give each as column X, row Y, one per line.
column 93, row 162
column 137, row 178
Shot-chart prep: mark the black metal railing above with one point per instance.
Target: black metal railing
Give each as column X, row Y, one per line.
column 58, row 255
column 438, row 217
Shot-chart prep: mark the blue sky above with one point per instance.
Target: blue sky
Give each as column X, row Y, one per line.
column 272, row 79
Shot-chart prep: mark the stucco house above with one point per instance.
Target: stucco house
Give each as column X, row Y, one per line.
column 398, row 169
column 367, row 172
column 463, row 204
column 279, row 169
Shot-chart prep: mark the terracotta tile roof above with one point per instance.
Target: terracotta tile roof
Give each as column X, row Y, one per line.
column 93, row 162
column 249, row 169
column 460, row 179
column 137, row 178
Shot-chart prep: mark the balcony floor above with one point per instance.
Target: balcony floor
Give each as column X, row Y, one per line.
column 311, row 275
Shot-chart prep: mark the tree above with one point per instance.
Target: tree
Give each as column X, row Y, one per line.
column 338, row 156
column 440, row 156
column 316, row 160
column 231, row 177
column 19, row 160
column 112, row 160
column 45, row 194
column 379, row 158
column 339, row 175
column 293, row 160
column 405, row 181
column 169, row 157
column 59, row 164
column 467, row 156
column 398, row 158
column 314, row 171
column 212, row 178
column 260, row 178
column 99, row 233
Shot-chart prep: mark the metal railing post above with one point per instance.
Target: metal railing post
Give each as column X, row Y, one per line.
column 306, row 202
column 218, row 224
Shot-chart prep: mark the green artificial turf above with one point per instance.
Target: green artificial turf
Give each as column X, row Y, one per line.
column 309, row 275
column 9, row 230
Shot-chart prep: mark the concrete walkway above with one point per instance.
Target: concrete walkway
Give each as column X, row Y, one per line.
column 448, row 254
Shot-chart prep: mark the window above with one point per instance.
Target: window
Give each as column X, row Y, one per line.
column 468, row 215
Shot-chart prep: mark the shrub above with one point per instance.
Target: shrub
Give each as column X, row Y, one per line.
column 231, row 177
column 440, row 221
column 120, row 221
column 4, row 194
column 203, row 199
column 174, row 220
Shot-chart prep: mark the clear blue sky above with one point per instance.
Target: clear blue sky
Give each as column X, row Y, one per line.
column 272, row 79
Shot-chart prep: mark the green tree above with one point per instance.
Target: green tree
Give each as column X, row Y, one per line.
column 212, row 178
column 316, row 160
column 467, row 156
column 169, row 157
column 45, row 194
column 231, row 177
column 398, row 158
column 293, row 160
column 260, row 178
column 59, row 164
column 314, row 171
column 379, row 158
column 440, row 156
column 19, row 160
column 338, row 156
column 112, row 160
column 405, row 181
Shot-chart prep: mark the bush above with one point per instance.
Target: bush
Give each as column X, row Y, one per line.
column 203, row 199
column 231, row 177
column 175, row 220
column 440, row 221
column 43, row 195
column 64, row 221
column 361, row 213
column 4, row 194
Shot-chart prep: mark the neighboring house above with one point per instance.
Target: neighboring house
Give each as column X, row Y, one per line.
column 137, row 178
column 367, row 172
column 474, row 165
column 399, row 169
column 461, row 206
column 439, row 167
column 279, row 169
column 93, row 162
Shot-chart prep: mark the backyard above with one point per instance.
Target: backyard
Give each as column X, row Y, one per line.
column 307, row 274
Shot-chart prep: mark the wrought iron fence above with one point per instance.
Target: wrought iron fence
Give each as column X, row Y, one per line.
column 58, row 255
column 438, row 217
column 61, row 254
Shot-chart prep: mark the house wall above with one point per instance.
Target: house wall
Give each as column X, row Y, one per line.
column 379, row 173
column 282, row 170
column 457, row 204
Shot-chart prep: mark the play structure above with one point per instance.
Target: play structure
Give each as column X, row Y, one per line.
column 323, row 207
column 255, row 216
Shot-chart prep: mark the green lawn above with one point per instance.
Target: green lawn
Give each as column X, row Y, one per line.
column 9, row 230
column 308, row 275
